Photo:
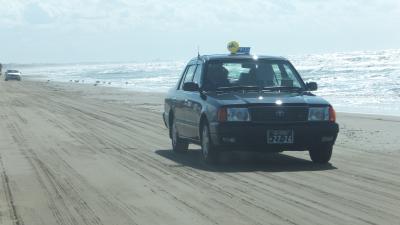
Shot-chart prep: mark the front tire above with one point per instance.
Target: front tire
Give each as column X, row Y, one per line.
column 178, row 144
column 209, row 152
column 321, row 154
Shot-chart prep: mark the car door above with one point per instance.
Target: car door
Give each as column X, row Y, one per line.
column 177, row 101
column 181, row 107
column 193, row 105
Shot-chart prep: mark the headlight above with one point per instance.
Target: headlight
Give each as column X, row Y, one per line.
column 318, row 114
column 233, row 114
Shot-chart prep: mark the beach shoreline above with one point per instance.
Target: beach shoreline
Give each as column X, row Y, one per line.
column 355, row 82
column 162, row 94
column 84, row 154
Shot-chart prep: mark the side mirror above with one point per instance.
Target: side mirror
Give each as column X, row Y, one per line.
column 312, row 86
column 190, row 86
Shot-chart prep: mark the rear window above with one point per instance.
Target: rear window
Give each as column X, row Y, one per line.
column 262, row 73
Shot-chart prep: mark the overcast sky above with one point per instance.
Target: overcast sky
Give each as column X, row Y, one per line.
column 132, row 30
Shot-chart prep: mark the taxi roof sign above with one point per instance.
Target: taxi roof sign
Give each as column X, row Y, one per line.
column 244, row 50
column 234, row 48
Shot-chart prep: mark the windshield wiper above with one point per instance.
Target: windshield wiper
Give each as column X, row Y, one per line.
column 240, row 87
column 283, row 88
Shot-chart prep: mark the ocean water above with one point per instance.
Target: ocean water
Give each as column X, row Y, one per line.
column 364, row 81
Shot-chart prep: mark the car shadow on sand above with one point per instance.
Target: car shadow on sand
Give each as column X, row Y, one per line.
column 246, row 162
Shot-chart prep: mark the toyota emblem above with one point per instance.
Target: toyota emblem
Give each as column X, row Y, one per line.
column 280, row 114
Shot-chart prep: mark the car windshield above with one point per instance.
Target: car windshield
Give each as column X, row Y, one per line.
column 12, row 71
column 265, row 74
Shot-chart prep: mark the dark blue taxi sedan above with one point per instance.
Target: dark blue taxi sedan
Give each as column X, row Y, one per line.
column 243, row 102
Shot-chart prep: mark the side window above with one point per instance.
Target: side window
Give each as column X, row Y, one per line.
column 197, row 74
column 178, row 86
column 189, row 75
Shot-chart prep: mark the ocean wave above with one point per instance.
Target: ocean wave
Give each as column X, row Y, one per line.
column 367, row 81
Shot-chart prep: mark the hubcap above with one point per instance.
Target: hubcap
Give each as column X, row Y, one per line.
column 205, row 143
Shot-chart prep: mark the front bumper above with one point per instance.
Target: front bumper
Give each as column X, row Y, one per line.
column 253, row 136
column 13, row 77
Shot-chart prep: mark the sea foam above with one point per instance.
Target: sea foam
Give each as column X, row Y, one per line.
column 364, row 81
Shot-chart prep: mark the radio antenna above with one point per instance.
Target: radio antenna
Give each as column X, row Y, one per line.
column 198, row 52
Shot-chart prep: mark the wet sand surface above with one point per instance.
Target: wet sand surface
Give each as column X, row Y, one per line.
column 76, row 154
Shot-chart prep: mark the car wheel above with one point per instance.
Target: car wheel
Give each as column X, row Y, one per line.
column 321, row 154
column 209, row 152
column 6, row 79
column 178, row 144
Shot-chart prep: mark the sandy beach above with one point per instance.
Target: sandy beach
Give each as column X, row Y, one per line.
column 79, row 154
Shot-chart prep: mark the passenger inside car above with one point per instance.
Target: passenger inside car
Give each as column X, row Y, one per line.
column 248, row 78
column 265, row 75
column 217, row 76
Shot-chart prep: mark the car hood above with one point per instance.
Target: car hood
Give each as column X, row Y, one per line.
column 268, row 98
column 14, row 74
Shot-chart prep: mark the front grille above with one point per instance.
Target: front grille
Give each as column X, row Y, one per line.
column 279, row 114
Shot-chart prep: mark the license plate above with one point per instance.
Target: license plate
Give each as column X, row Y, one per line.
column 280, row 136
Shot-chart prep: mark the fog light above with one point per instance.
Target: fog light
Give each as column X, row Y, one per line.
column 229, row 139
